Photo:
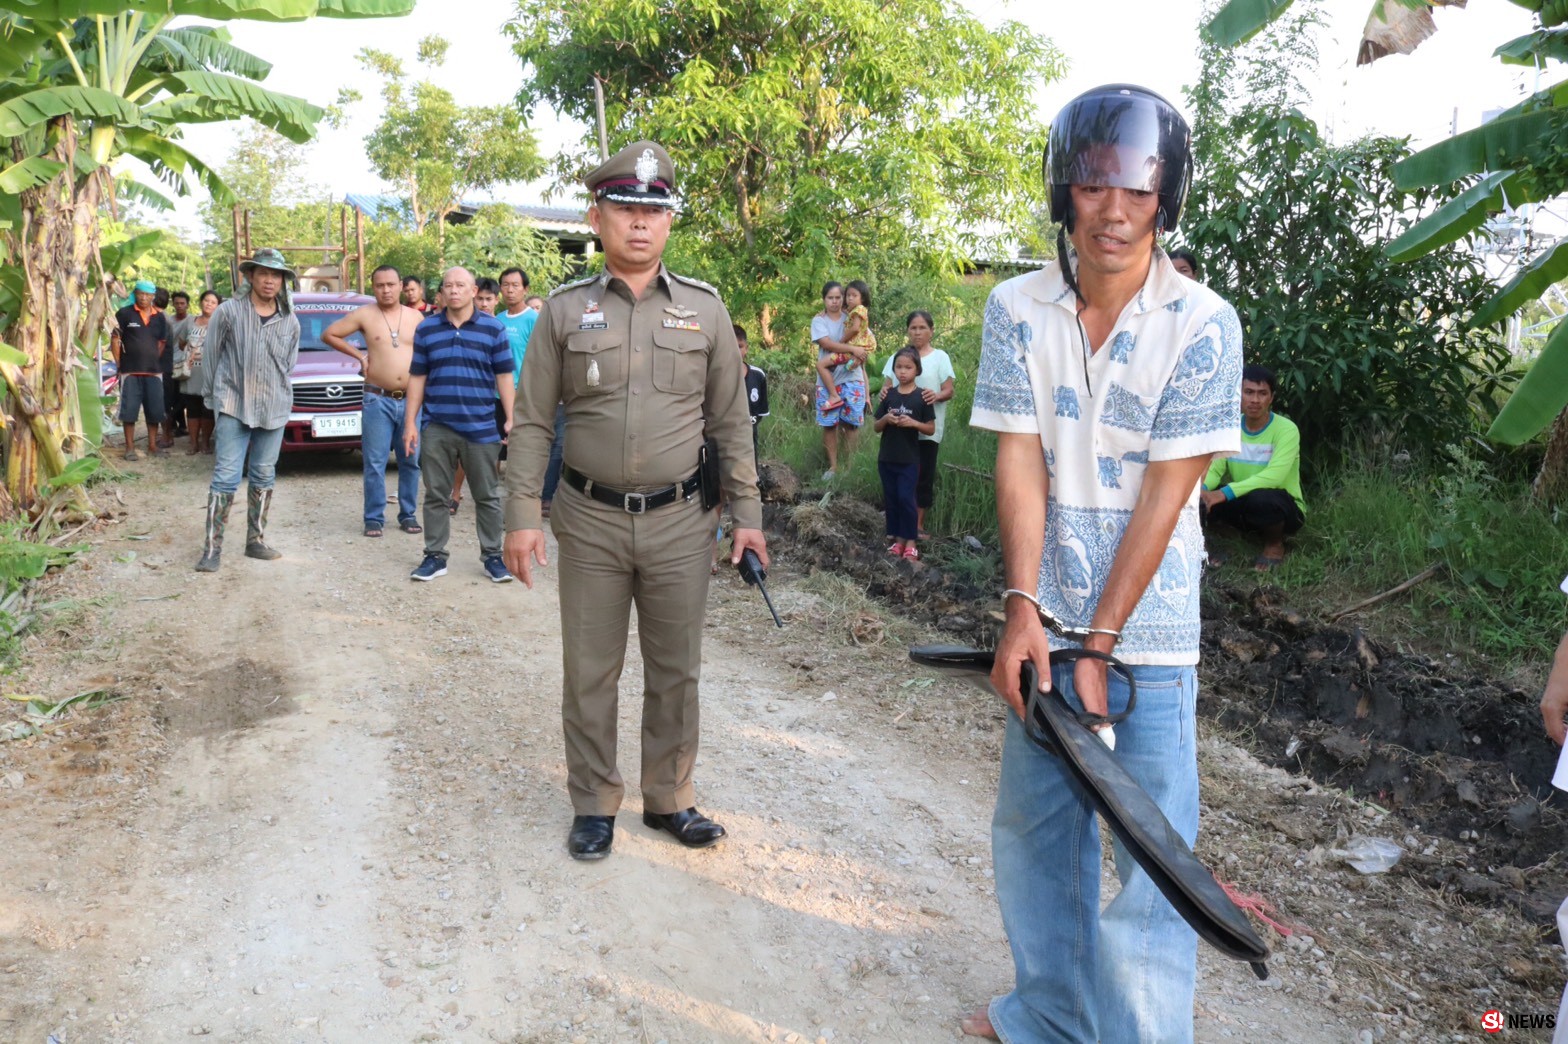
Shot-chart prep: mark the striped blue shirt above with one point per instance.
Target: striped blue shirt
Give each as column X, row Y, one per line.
column 460, row 365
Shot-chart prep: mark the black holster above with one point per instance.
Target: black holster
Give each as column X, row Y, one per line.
column 708, row 473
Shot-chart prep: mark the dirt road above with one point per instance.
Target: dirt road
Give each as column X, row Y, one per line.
column 332, row 807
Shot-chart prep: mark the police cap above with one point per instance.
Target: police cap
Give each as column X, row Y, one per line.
column 641, row 173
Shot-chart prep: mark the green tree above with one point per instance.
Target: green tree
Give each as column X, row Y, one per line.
column 268, row 176
column 1291, row 229
column 83, row 82
column 168, row 260
column 498, row 238
column 811, row 136
column 437, row 150
column 1519, row 157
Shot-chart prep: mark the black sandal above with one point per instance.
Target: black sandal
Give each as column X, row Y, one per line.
column 408, row 525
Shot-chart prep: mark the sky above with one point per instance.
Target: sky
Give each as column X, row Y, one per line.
column 1451, row 80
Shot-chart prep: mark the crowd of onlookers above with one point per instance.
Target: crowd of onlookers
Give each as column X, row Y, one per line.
column 158, row 348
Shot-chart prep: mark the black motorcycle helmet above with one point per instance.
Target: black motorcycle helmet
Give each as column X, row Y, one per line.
column 1120, row 136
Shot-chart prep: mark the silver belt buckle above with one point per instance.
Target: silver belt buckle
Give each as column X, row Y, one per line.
column 640, row 499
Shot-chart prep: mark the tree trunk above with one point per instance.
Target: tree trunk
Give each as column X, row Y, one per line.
column 1551, row 482
column 56, row 240
column 765, row 327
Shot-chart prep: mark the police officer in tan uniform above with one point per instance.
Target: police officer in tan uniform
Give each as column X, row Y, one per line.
column 646, row 363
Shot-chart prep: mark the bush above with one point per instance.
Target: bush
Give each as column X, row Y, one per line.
column 1290, row 229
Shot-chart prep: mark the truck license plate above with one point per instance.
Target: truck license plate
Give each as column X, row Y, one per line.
column 337, row 425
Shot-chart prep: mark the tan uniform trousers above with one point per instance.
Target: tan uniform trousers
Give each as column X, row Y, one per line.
column 609, row 560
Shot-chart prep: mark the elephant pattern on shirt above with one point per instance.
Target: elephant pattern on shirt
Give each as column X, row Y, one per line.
column 1002, row 385
column 1121, row 348
column 1110, row 471
column 1066, row 400
column 1081, row 547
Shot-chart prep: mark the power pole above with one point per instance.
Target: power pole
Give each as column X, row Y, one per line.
column 598, row 104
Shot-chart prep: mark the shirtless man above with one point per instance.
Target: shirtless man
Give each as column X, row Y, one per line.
column 388, row 329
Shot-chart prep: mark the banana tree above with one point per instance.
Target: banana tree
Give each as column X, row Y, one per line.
column 83, row 83
column 1518, row 157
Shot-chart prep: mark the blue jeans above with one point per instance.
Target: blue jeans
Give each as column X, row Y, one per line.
column 1126, row 974
column 381, row 434
column 898, row 498
column 232, row 442
column 552, row 472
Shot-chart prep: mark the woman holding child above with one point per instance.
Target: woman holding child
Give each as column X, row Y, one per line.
column 841, row 367
column 935, row 380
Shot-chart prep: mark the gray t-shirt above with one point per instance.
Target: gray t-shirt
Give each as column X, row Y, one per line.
column 822, row 327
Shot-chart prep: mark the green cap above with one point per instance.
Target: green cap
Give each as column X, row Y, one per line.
column 267, row 257
column 144, row 286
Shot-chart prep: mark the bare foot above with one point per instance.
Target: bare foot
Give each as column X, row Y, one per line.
column 978, row 1024
column 1273, row 554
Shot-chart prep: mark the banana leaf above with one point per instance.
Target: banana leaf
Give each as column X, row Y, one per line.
column 1541, row 395
column 42, row 105
column 1530, row 283
column 208, row 47
column 294, row 118
column 89, row 389
column 29, row 173
column 216, row 10
column 120, row 256
column 1535, row 47
column 1524, row 138
column 1453, row 220
column 173, row 163
column 1240, row 20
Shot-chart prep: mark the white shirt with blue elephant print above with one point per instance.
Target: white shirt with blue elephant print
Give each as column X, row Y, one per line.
column 1166, row 385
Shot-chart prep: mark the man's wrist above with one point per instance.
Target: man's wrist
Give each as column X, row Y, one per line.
column 1101, row 642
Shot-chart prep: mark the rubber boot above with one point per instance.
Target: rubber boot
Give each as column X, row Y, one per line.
column 212, row 538
column 256, row 525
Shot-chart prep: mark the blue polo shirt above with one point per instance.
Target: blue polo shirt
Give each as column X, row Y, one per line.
column 460, row 365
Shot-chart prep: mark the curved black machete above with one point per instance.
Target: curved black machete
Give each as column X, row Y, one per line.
column 1131, row 814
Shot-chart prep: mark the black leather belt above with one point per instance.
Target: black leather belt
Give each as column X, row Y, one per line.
column 631, row 503
column 373, row 389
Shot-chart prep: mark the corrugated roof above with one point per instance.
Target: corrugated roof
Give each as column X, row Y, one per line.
column 561, row 219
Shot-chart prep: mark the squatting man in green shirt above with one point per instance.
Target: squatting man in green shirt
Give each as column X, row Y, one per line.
column 1259, row 489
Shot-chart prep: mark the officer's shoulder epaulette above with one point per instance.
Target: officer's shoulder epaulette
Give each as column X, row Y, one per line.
column 698, row 283
column 572, row 286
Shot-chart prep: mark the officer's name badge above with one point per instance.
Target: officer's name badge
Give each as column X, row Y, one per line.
column 682, row 324
column 593, row 320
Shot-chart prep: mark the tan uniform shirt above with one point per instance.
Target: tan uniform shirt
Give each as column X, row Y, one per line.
column 642, row 381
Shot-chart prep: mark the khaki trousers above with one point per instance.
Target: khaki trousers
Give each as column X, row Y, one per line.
column 609, row 561
column 440, row 451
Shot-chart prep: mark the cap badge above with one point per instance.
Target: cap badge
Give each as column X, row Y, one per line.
column 647, row 170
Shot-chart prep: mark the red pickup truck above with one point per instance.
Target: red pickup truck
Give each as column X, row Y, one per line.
column 328, row 388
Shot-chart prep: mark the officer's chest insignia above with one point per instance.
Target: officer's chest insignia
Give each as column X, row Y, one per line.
column 680, row 313
column 682, row 324
column 593, row 318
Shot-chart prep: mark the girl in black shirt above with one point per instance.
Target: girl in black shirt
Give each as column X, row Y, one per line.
column 901, row 419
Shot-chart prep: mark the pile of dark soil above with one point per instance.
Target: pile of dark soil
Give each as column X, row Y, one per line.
column 1452, row 755
column 1458, row 756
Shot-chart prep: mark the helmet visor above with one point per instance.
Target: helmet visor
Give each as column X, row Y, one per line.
column 1113, row 140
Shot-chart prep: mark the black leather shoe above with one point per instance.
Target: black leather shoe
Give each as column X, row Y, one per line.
column 691, row 828
column 591, row 837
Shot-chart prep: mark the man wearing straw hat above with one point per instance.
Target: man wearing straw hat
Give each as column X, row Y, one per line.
column 252, row 344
